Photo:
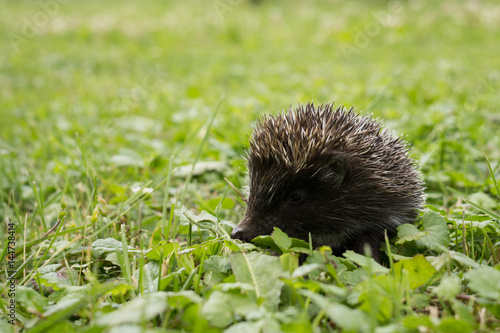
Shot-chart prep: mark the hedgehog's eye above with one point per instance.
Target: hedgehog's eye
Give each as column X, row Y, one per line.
column 295, row 197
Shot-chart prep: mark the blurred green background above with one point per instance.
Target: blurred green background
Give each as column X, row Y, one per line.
column 97, row 96
column 113, row 89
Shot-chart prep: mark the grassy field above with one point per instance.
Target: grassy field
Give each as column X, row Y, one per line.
column 121, row 120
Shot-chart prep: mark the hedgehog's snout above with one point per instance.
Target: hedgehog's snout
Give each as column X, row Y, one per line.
column 244, row 231
column 239, row 233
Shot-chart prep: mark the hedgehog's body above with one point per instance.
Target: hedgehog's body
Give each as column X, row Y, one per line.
column 330, row 173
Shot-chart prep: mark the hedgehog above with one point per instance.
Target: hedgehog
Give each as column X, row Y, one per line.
column 332, row 174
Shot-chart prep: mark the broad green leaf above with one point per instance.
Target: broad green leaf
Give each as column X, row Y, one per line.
column 299, row 249
column 180, row 299
column 221, row 307
column 418, row 269
column 377, row 296
column 217, row 264
column 281, row 239
column 270, row 242
column 434, row 236
column 59, row 327
column 408, row 233
column 7, row 325
column 448, row 287
column 437, row 231
column 162, row 250
column 391, row 328
column 452, row 325
column 485, row 281
column 63, row 305
column 262, row 271
column 243, row 327
column 268, row 325
column 212, row 278
column 289, row 261
column 234, row 286
column 121, row 289
column 363, row 261
column 102, row 246
column 193, row 320
column 463, row 259
column 305, row 270
column 353, row 277
column 414, row 322
column 333, row 289
column 463, row 312
column 30, row 299
column 348, row 319
column 49, row 268
column 68, row 297
column 136, row 311
column 299, row 243
column 419, row 301
column 236, row 245
column 267, row 242
column 150, row 273
column 298, row 326
column 60, row 279
column 75, row 299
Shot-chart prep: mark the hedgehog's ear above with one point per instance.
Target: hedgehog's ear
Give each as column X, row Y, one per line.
column 337, row 170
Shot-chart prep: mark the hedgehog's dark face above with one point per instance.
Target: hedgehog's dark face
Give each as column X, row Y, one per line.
column 298, row 201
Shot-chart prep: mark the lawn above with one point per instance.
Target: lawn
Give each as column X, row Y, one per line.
column 123, row 132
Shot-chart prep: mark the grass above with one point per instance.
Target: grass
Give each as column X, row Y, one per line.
column 121, row 122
